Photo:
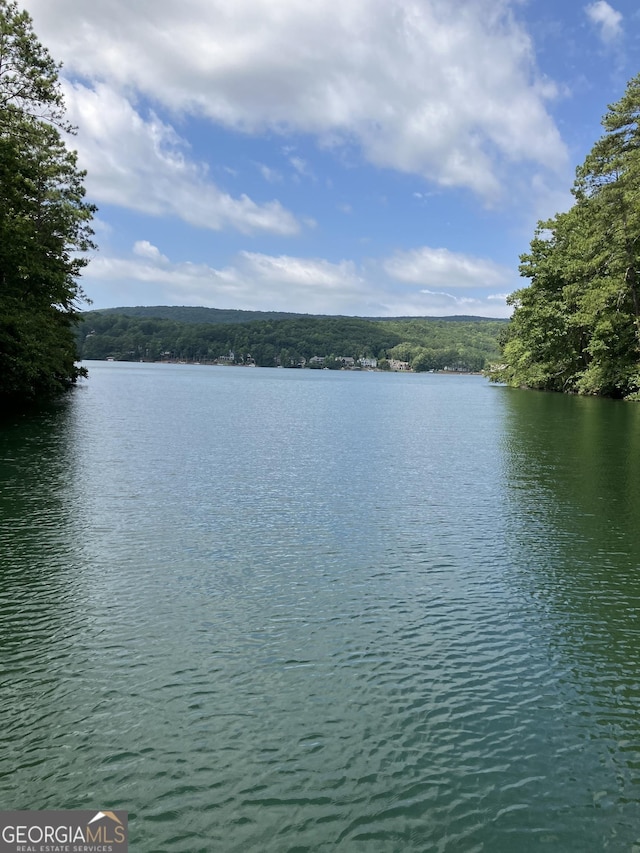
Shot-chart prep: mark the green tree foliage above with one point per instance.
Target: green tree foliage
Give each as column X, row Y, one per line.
column 44, row 220
column 446, row 344
column 576, row 327
column 200, row 314
column 426, row 344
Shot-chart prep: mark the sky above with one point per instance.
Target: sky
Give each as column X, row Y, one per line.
column 354, row 157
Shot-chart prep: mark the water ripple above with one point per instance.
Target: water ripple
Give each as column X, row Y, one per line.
column 318, row 643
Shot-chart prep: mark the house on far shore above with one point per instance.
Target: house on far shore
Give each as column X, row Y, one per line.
column 345, row 361
column 394, row 364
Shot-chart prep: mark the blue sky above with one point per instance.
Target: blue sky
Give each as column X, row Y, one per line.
column 359, row 157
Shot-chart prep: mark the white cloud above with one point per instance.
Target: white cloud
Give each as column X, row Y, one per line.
column 444, row 90
column 301, row 168
column 607, row 19
column 255, row 281
column 445, row 269
column 445, row 304
column 303, row 272
column 142, row 164
column 145, row 249
column 273, row 176
column 266, row 282
column 101, row 227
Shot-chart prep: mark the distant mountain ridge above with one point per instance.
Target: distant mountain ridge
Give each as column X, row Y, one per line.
column 200, row 314
column 197, row 314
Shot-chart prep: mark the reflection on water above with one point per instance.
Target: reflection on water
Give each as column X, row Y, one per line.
column 296, row 610
column 40, row 529
column 41, row 548
column 574, row 483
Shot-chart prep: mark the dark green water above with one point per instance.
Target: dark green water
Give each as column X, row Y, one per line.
column 282, row 611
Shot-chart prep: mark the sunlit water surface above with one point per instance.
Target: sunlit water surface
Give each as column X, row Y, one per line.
column 272, row 610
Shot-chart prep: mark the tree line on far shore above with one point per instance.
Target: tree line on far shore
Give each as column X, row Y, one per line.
column 424, row 344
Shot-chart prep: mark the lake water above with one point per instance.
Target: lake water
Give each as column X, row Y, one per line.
column 277, row 611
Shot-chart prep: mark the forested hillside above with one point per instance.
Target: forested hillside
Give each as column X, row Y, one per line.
column 576, row 327
column 426, row 344
column 199, row 314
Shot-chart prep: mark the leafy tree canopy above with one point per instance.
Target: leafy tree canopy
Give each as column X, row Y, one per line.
column 576, row 327
column 44, row 220
column 427, row 344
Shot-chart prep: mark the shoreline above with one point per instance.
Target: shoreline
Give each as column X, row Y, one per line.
column 214, row 363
